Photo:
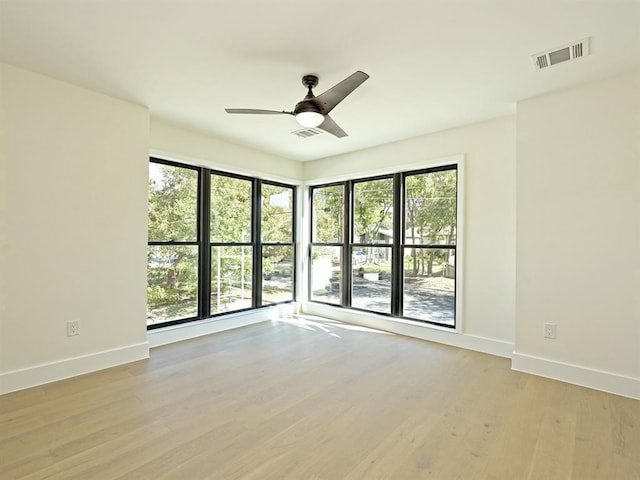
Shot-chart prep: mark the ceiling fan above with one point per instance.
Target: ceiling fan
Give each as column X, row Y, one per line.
column 313, row 111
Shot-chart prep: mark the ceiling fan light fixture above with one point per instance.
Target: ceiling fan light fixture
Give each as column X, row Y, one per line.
column 309, row 119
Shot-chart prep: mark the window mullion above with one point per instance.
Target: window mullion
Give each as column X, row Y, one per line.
column 294, row 250
column 347, row 280
column 256, row 232
column 204, row 233
column 396, row 252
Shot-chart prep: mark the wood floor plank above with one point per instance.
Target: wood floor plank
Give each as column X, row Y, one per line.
column 309, row 398
column 553, row 454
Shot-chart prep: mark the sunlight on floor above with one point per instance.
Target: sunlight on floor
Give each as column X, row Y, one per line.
column 313, row 323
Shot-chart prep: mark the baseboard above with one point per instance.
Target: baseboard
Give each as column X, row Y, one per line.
column 70, row 367
column 412, row 329
column 185, row 331
column 577, row 375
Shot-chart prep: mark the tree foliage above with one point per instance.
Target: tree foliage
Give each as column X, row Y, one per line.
column 173, row 199
column 328, row 214
column 429, row 209
column 277, row 211
column 173, row 269
column 230, row 209
column 430, row 215
column 373, row 204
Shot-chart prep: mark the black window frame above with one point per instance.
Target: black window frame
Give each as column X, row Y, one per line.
column 263, row 244
column 196, row 243
column 444, row 246
column 397, row 245
column 353, row 244
column 345, row 261
column 251, row 243
column 204, row 244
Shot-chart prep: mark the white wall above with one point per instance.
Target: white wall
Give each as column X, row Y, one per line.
column 172, row 142
column 578, row 234
column 489, row 223
column 73, row 199
column 74, row 230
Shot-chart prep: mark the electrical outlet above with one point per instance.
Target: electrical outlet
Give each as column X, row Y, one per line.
column 73, row 328
column 549, row 330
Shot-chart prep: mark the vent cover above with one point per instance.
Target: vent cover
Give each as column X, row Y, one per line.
column 561, row 54
column 307, row 132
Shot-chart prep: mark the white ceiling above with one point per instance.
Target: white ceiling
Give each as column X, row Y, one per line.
column 433, row 64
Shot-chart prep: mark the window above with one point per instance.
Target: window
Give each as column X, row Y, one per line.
column 371, row 248
column 399, row 234
column 429, row 246
column 277, row 227
column 216, row 244
column 327, row 245
column 172, row 254
column 231, row 243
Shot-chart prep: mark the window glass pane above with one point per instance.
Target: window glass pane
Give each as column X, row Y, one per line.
column 328, row 214
column 230, row 209
column 172, row 283
column 173, row 201
column 429, row 284
column 373, row 202
column 430, row 208
column 277, row 274
column 277, row 213
column 371, row 276
column 326, row 274
column 231, row 285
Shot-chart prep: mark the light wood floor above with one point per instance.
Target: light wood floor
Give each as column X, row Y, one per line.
column 312, row 399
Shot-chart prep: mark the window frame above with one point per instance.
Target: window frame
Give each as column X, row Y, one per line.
column 344, row 296
column 204, row 244
column 353, row 244
column 211, row 244
column 291, row 243
column 196, row 243
column 397, row 245
column 403, row 244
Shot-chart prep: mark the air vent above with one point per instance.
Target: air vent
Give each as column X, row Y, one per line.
column 307, row 132
column 561, row 54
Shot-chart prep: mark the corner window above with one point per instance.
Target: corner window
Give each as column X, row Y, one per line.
column 216, row 244
column 387, row 245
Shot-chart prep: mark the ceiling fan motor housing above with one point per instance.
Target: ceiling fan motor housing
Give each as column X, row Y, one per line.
column 308, row 103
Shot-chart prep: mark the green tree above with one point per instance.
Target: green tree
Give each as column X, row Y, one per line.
column 172, row 269
column 173, row 216
column 414, row 200
column 276, row 224
column 230, row 222
column 373, row 204
column 431, row 214
column 328, row 214
column 230, row 209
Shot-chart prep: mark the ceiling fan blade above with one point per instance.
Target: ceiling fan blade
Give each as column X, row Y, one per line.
column 329, row 126
column 257, row 111
column 332, row 97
